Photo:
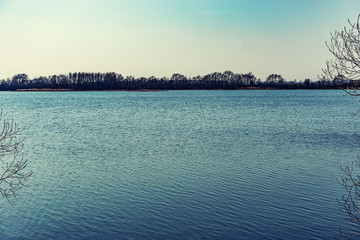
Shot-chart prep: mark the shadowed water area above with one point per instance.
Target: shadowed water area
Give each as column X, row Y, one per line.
column 181, row 164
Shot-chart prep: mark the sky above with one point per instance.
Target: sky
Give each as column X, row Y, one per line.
column 162, row 37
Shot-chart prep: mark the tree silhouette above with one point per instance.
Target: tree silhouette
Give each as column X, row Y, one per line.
column 275, row 79
column 13, row 174
column 345, row 67
column 114, row 81
column 345, row 47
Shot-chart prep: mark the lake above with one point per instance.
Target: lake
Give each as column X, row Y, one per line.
column 182, row 164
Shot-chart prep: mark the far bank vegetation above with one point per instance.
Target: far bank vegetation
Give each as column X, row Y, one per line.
column 83, row 81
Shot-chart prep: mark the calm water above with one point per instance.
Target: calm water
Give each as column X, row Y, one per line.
column 181, row 164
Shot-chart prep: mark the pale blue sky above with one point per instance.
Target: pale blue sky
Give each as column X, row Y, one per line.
column 161, row 37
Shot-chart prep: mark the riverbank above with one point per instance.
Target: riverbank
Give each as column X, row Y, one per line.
column 157, row 90
column 73, row 90
column 161, row 90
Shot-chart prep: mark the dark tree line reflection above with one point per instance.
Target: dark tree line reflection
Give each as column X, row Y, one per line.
column 115, row 81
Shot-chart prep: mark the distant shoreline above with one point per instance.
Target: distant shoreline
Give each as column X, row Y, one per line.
column 111, row 81
column 159, row 90
column 74, row 90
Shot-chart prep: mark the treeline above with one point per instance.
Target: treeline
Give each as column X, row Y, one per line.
column 115, row 81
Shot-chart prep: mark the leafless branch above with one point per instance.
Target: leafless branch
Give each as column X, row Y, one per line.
column 13, row 175
column 345, row 47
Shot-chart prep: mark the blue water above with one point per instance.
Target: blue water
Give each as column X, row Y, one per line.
column 181, row 164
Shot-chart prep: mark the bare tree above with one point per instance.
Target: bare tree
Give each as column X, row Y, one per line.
column 350, row 201
column 13, row 174
column 345, row 47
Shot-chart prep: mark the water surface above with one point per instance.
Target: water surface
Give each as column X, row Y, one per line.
column 181, row 164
